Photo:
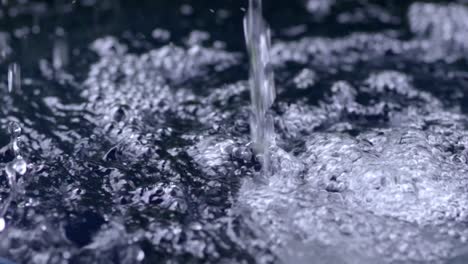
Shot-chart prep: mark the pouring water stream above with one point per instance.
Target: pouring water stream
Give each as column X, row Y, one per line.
column 262, row 87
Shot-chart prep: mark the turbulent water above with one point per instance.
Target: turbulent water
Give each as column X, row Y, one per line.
column 125, row 133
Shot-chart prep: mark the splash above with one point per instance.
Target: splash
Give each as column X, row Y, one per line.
column 17, row 167
column 262, row 88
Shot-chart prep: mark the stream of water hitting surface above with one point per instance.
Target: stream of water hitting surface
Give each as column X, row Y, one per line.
column 262, row 86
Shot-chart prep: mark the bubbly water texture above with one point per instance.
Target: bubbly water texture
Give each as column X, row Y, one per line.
column 132, row 145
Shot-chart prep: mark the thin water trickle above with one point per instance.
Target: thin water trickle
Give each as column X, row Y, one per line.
column 262, row 87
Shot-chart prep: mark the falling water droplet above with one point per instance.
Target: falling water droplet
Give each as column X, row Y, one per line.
column 2, row 224
column 15, row 132
column 5, row 48
column 60, row 55
column 38, row 11
column 14, row 77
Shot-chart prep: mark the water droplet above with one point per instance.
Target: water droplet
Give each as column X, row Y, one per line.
column 186, row 9
column 305, row 79
column 20, row 166
column 14, row 77
column 2, row 224
column 11, row 173
column 161, row 34
column 5, row 49
column 14, row 129
column 141, row 255
column 16, row 146
column 60, row 54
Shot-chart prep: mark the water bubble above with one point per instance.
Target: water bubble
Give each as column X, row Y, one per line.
column 108, row 46
column 186, row 10
column 320, row 8
column 242, row 153
column 161, row 34
column 197, row 38
column 14, row 77
column 119, row 112
column 305, row 79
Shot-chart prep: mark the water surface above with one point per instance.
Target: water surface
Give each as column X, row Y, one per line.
column 134, row 126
